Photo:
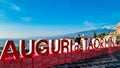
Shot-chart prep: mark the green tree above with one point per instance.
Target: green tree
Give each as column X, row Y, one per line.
column 95, row 35
column 108, row 31
column 101, row 35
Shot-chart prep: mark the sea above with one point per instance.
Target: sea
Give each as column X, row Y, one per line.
column 16, row 42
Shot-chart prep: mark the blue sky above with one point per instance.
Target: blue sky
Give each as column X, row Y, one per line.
column 35, row 18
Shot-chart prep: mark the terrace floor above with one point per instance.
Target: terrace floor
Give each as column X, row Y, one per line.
column 106, row 61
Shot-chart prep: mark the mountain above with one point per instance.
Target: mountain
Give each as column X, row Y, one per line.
column 103, row 29
column 108, row 27
column 89, row 33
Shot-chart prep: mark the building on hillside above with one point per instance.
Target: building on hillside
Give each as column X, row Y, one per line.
column 116, row 33
column 112, row 34
column 118, row 29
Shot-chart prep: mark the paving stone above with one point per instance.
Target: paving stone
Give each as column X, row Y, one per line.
column 106, row 61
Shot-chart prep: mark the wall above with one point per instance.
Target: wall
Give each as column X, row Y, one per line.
column 50, row 60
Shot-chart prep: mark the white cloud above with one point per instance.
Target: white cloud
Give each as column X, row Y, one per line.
column 26, row 19
column 89, row 25
column 10, row 5
column 15, row 7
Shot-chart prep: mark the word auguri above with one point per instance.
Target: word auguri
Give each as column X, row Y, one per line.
column 52, row 47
